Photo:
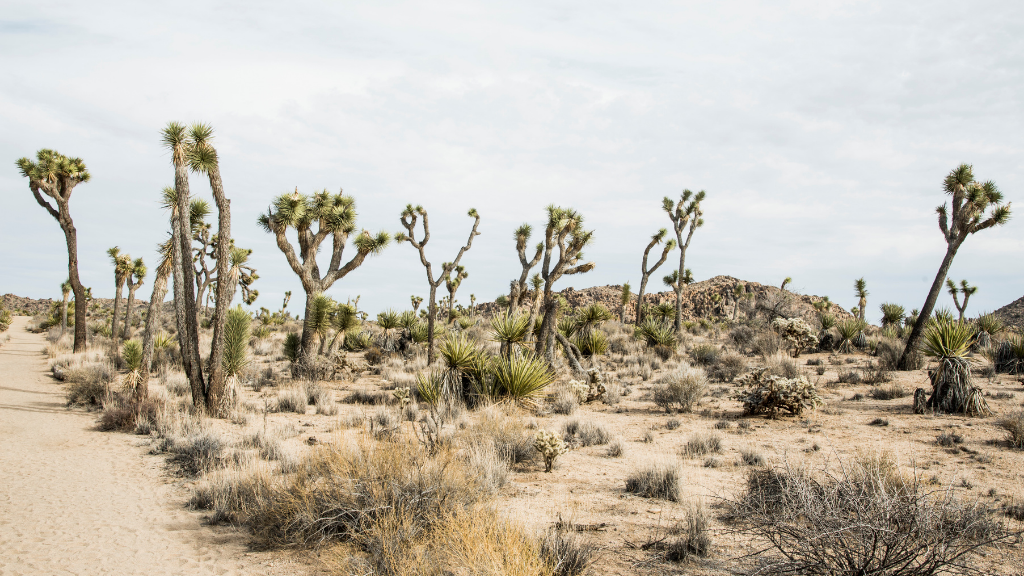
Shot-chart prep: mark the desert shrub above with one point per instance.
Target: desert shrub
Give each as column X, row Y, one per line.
column 693, row 536
column 742, row 337
column 116, row 417
column 663, row 352
column 729, row 366
column 616, row 448
column 550, row 447
column 891, row 392
column 949, row 439
column 877, row 374
column 1014, row 427
column 879, row 422
column 567, row 554
column 704, row 354
column 655, row 482
column 723, row 425
column 360, row 396
column 672, row 424
column 782, row 366
column 766, row 344
column 292, row 400
column 681, row 389
column 866, row 520
column 751, row 456
column 585, row 433
column 564, row 402
column 1009, row 355
column 323, row 400
column 197, row 453
column 849, row 377
column 510, row 439
column 702, row 444
column 766, row 394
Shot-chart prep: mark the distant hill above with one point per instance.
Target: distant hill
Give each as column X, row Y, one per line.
column 31, row 307
column 1013, row 313
column 698, row 299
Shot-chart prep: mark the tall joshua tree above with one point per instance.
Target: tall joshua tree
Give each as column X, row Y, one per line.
column 192, row 150
column 135, row 280
column 563, row 232
column 684, row 213
column 965, row 290
column 519, row 291
column 122, row 269
column 409, row 218
column 646, row 272
column 976, row 206
column 65, row 289
column 56, row 176
column 452, row 282
column 860, row 288
column 316, row 218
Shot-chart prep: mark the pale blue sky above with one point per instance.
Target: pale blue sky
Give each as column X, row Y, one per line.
column 821, row 132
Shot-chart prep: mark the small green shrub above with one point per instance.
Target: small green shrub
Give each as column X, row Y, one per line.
column 655, row 482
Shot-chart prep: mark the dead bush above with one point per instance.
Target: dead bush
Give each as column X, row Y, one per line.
column 701, row 444
column 891, row 392
column 585, row 433
column 729, row 366
column 567, row 554
column 861, row 521
column 1014, row 426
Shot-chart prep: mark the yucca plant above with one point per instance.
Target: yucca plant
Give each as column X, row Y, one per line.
column 464, row 364
column 430, row 386
column 357, row 340
column 592, row 343
column 656, row 333
column 944, row 315
column 510, row 331
column 236, row 341
column 292, row 346
column 990, row 323
column 849, row 330
column 1009, row 357
column 892, row 315
column 388, row 321
column 132, row 380
column 663, row 312
column 521, row 378
column 953, row 390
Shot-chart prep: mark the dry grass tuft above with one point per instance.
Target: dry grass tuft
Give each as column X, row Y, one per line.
column 656, row 481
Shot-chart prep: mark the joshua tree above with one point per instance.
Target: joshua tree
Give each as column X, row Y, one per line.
column 785, row 282
column 685, row 212
column 452, row 282
column 536, row 282
column 966, row 290
column 860, row 288
column 645, row 272
column 739, row 292
column 65, row 289
column 242, row 275
column 334, row 217
column 409, row 218
column 205, row 269
column 518, row 292
column 122, row 270
column 564, row 232
column 192, row 149
column 624, row 299
column 976, row 206
column 416, row 301
column 135, row 280
column 56, row 176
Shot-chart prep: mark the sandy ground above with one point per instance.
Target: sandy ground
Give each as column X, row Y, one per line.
column 77, row 501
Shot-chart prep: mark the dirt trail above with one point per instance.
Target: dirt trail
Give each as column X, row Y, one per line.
column 77, row 501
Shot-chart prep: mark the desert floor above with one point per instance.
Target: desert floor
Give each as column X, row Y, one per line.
column 77, row 501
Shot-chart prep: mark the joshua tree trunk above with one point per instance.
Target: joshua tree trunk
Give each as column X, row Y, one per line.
column 225, row 290
column 115, row 319
column 184, row 285
column 683, row 213
column 153, row 319
column 64, row 315
column 127, row 331
column 76, row 286
column 929, row 305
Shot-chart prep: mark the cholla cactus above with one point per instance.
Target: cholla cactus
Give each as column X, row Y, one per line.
column 580, row 390
column 768, row 394
column 797, row 332
column 550, row 446
column 402, row 395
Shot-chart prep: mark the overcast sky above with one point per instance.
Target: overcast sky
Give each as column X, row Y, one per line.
column 820, row 130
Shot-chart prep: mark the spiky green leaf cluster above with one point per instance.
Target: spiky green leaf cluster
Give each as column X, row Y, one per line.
column 131, row 353
column 236, row 341
column 947, row 338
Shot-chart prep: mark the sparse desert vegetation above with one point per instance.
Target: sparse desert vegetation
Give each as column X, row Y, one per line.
column 551, row 431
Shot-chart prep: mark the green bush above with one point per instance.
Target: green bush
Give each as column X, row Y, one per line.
column 236, row 341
